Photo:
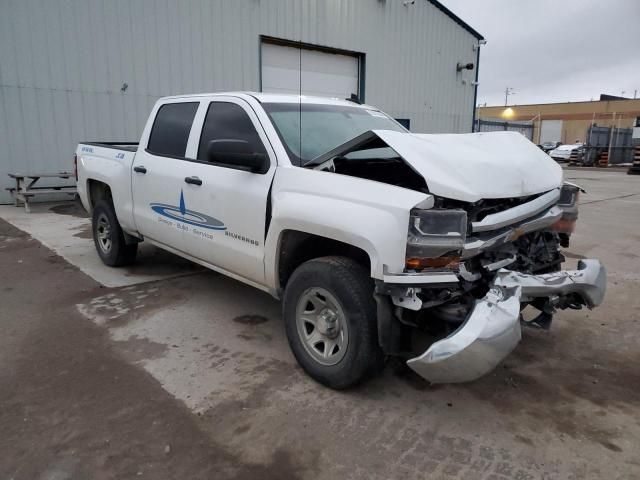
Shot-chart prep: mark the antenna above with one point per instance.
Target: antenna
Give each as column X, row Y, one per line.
column 300, row 91
column 300, row 99
column 508, row 91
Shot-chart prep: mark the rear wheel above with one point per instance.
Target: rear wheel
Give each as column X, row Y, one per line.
column 330, row 320
column 108, row 237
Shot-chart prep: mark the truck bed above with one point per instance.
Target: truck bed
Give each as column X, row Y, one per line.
column 109, row 163
column 129, row 146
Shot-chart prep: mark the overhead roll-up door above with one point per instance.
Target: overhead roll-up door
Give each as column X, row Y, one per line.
column 290, row 69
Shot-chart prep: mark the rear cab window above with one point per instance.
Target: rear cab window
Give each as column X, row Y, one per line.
column 171, row 128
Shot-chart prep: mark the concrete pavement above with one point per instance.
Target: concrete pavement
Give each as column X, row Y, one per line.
column 564, row 405
column 65, row 228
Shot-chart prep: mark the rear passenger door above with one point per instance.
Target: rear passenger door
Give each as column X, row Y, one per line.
column 157, row 179
column 231, row 203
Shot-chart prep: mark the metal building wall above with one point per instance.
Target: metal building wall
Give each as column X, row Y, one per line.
column 63, row 63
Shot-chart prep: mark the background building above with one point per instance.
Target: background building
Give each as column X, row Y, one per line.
column 89, row 70
column 568, row 122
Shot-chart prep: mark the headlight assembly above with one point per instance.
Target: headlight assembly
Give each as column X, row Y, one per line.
column 435, row 238
column 568, row 202
column 568, row 195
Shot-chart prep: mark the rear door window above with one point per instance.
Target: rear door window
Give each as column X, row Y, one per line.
column 170, row 131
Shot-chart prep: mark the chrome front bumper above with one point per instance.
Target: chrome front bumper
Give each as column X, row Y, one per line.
column 492, row 330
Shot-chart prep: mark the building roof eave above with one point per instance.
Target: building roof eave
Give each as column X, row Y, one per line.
column 456, row 19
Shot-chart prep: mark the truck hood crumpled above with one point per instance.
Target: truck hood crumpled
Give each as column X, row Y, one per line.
column 474, row 166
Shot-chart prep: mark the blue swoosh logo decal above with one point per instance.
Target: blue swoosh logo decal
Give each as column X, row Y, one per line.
column 190, row 217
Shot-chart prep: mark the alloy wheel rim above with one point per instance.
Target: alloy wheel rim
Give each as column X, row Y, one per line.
column 322, row 326
column 103, row 231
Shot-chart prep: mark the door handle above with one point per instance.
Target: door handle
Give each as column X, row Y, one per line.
column 139, row 169
column 193, row 180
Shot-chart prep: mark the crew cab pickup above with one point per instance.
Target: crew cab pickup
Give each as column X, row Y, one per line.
column 379, row 242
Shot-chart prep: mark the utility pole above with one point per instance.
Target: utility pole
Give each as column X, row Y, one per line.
column 508, row 91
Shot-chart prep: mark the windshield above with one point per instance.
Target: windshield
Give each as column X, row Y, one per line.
column 324, row 127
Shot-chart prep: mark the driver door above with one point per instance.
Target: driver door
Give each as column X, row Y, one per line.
column 231, row 203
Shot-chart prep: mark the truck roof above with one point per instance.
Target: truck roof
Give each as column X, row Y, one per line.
column 274, row 98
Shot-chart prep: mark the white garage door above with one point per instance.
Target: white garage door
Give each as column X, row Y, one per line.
column 551, row 131
column 324, row 74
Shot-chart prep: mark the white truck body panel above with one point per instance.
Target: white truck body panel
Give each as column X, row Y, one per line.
column 473, row 166
column 111, row 166
column 370, row 215
column 347, row 209
column 236, row 199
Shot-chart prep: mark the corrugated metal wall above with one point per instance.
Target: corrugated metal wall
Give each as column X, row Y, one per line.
column 63, row 63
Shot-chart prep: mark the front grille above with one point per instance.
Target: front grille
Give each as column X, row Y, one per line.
column 480, row 209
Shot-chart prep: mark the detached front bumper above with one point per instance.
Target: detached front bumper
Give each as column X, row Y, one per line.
column 492, row 330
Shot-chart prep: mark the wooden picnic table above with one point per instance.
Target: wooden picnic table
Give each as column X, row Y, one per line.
column 25, row 187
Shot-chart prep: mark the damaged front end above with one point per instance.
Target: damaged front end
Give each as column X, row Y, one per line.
column 492, row 329
column 471, row 270
column 484, row 246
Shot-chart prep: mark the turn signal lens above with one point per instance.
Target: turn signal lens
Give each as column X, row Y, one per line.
column 564, row 225
column 415, row 263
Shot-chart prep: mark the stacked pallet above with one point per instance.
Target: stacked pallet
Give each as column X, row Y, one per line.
column 603, row 161
column 573, row 158
column 635, row 168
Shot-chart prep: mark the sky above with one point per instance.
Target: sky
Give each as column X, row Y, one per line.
column 554, row 50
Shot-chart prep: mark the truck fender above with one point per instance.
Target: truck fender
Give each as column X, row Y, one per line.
column 354, row 224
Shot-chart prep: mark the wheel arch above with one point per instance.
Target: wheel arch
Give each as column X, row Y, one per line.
column 294, row 247
column 97, row 190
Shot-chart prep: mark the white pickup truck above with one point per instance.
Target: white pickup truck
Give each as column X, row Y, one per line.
column 380, row 242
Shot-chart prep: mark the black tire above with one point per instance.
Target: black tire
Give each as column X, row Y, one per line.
column 349, row 283
column 117, row 253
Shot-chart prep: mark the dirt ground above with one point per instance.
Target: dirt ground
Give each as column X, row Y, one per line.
column 191, row 377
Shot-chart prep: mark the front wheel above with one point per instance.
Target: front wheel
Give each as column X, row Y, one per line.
column 108, row 237
column 330, row 321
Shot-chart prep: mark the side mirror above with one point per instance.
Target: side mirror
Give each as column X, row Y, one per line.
column 237, row 154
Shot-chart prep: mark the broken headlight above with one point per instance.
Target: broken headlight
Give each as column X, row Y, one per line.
column 435, row 239
column 568, row 202
column 569, row 194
